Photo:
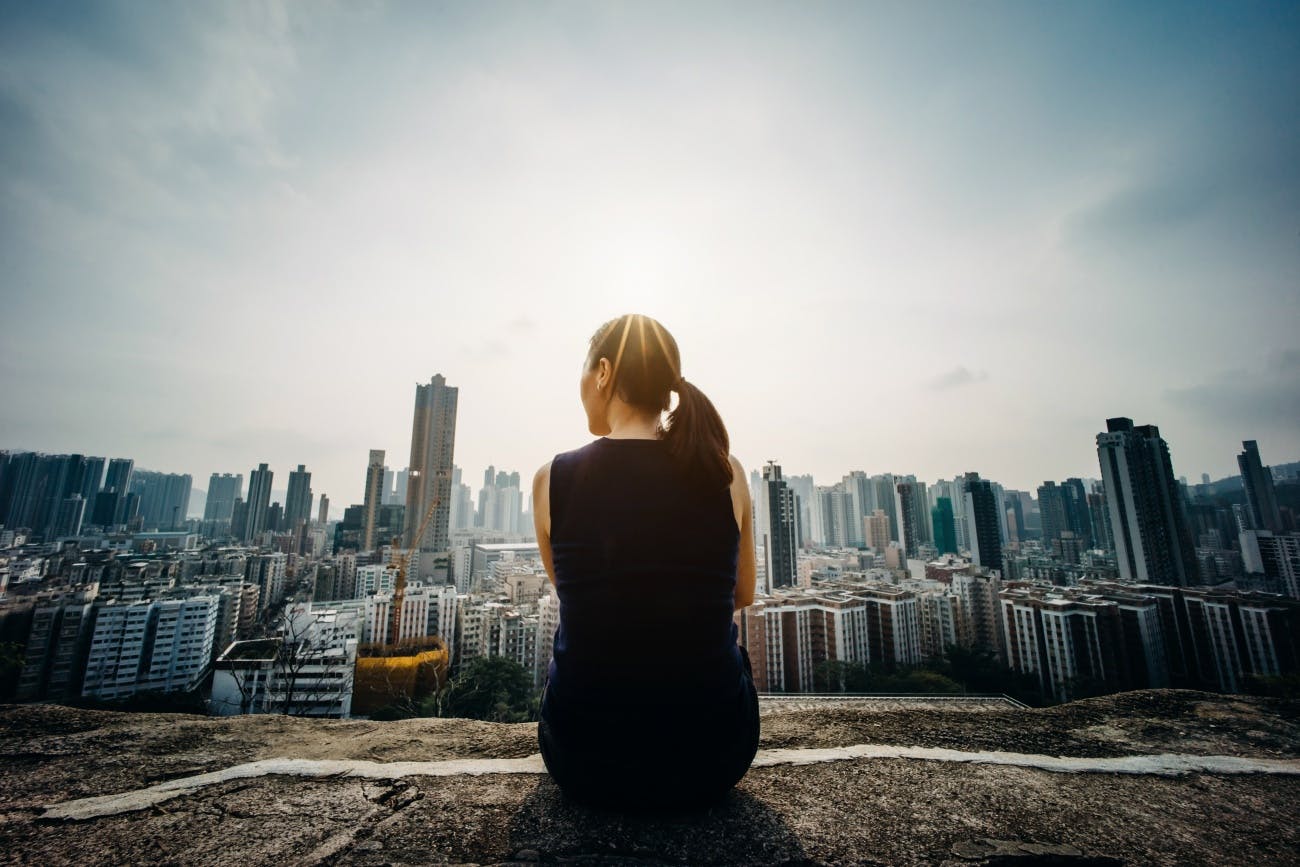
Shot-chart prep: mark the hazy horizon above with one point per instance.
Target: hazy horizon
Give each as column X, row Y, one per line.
column 921, row 238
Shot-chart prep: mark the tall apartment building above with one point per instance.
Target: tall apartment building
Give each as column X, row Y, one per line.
column 223, row 490
column 945, row 528
column 913, row 511
column 57, row 644
column 1153, row 541
column 876, row 527
column 297, row 500
column 788, row 635
column 1279, row 557
column 164, row 498
column 163, row 645
column 500, row 503
column 1208, row 638
column 860, row 496
column 835, row 511
column 91, row 478
column 978, row 591
column 40, row 492
column 267, row 572
column 1261, row 498
column 782, row 540
column 983, row 509
column 810, row 518
column 1066, row 640
column 258, row 502
column 1064, row 509
column 433, row 439
column 374, row 498
column 882, row 493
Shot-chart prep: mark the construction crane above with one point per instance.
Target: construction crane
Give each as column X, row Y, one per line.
column 399, row 583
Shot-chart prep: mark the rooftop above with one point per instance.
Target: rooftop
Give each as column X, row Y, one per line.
column 1154, row 776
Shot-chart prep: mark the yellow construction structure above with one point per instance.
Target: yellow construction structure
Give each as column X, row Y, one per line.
column 389, row 674
column 399, row 671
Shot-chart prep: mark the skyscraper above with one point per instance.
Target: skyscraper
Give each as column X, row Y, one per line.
column 1261, row 499
column 883, row 489
column 223, row 490
column 783, row 535
column 259, row 502
column 118, row 481
column 860, row 500
column 119, row 475
column 297, row 500
column 399, row 486
column 945, row 531
column 876, row 526
column 1152, row 538
column 433, row 439
column 1051, row 504
column 324, row 515
column 1077, row 515
column 91, row 478
column 913, row 516
column 374, row 498
column 1100, row 519
column 983, row 508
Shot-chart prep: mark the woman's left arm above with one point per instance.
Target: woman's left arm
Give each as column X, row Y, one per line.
column 542, row 516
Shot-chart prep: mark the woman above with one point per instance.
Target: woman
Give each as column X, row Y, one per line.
column 646, row 534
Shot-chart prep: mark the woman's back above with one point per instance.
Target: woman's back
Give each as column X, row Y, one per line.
column 649, row 699
column 645, row 571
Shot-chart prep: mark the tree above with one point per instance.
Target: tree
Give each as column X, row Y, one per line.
column 493, row 688
column 313, row 670
column 832, row 675
column 306, row 669
column 978, row 669
column 11, row 667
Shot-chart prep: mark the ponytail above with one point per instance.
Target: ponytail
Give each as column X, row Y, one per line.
column 646, row 370
column 698, row 439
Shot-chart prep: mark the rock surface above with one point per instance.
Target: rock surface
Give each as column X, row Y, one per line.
column 846, row 811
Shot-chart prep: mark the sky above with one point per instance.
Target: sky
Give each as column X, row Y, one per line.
column 894, row 237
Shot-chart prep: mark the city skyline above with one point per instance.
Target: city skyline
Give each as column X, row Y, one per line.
column 198, row 507
column 928, row 240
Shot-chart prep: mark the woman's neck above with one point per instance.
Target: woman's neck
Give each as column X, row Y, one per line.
column 628, row 426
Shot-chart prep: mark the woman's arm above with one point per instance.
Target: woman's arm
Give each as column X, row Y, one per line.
column 746, row 570
column 542, row 516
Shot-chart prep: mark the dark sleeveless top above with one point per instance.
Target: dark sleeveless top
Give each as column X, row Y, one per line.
column 645, row 572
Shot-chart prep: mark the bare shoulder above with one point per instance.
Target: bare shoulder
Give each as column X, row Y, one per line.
column 738, row 474
column 739, row 486
column 542, row 486
column 543, row 474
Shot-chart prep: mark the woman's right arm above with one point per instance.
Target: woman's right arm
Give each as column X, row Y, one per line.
column 542, row 516
column 746, row 570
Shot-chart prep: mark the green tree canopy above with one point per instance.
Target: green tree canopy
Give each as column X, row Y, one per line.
column 493, row 688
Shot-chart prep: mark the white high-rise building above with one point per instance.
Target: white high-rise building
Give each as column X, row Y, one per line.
column 163, row 645
column 375, row 578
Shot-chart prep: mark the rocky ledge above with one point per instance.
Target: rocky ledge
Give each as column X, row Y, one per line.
column 1147, row 777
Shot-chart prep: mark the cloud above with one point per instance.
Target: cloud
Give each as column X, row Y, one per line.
column 1287, row 360
column 1269, row 399
column 956, row 378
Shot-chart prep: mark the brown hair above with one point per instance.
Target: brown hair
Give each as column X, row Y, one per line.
column 647, row 368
